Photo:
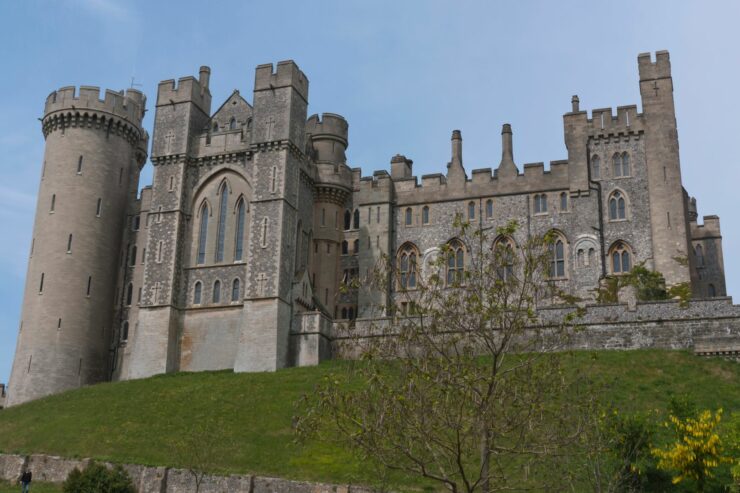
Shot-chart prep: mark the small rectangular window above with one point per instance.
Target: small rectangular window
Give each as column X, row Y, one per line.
column 69, row 244
column 41, row 284
column 89, row 284
column 377, row 218
column 172, row 183
column 79, row 166
column 59, row 324
column 53, row 202
column 143, row 255
column 99, row 207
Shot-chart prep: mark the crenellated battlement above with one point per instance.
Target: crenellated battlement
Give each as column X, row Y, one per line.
column 604, row 121
column 187, row 89
column 128, row 105
column 328, row 126
column 710, row 228
column 287, row 75
column 658, row 69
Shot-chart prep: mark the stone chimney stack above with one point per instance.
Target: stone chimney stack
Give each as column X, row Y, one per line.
column 507, row 166
column 575, row 102
column 456, row 148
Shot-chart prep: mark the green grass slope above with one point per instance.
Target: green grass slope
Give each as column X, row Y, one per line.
column 135, row 421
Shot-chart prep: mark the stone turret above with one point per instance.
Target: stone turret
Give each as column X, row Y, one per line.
column 95, row 149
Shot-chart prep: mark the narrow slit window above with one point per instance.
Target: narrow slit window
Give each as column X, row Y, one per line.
column 129, row 294
column 79, row 166
column 595, row 167
column 197, row 292
column 124, row 331
column 489, row 208
column 202, row 234
column 425, row 215
column 69, row 244
column 264, row 232
column 347, row 220
column 133, row 255
column 221, row 228
column 89, row 285
column 53, row 203
column 356, row 219
column 99, row 207
column 409, row 216
column 563, row 201
column 471, row 211
column 235, row 286
column 239, row 240
column 217, row 292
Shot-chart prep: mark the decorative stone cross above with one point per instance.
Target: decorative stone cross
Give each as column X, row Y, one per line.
column 156, row 293
column 270, row 127
column 169, row 141
column 261, row 279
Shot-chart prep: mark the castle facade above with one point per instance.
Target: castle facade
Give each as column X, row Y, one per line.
column 234, row 256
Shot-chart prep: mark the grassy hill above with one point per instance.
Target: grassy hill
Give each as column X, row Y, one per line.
column 251, row 414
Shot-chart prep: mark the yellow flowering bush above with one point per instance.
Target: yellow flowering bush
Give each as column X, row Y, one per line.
column 697, row 449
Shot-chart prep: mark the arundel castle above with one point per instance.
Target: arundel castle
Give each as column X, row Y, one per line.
column 233, row 257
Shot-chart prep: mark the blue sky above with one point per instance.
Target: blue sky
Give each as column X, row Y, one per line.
column 404, row 74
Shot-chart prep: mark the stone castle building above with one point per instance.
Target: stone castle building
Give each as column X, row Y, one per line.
column 233, row 257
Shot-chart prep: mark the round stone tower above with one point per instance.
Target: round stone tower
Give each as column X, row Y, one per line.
column 94, row 151
column 333, row 189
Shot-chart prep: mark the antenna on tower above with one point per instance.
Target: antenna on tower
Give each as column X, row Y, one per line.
column 134, row 84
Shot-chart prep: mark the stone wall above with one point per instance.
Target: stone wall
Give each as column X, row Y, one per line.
column 147, row 479
column 645, row 325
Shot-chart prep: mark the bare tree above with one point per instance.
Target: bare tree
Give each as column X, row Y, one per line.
column 463, row 384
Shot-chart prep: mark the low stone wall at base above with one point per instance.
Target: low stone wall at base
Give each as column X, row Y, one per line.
column 146, row 479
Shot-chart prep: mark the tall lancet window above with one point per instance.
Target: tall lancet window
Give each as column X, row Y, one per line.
column 221, row 232
column 203, row 235
column 241, row 211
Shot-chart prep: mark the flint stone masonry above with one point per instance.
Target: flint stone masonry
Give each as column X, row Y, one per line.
column 616, row 201
column 148, row 479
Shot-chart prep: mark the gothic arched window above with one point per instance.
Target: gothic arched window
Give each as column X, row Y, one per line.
column 625, row 164
column 557, row 259
column 232, row 124
column 409, row 216
column 540, row 203
column 503, row 251
column 621, row 258
column 617, row 206
column 235, row 287
column 221, row 231
column 699, row 252
column 356, row 219
column 455, row 263
column 425, row 215
column 239, row 240
column 595, row 167
column 347, row 220
column 345, row 247
column 471, row 211
column 203, row 233
column 407, row 256
column 197, row 292
column 489, row 208
column 217, row 291
column 563, row 201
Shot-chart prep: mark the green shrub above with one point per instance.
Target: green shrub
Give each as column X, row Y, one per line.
column 96, row 478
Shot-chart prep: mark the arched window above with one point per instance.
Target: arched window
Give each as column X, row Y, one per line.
column 202, row 234
column 197, row 292
column 625, row 164
column 621, row 259
column 217, row 291
column 235, row 288
column 347, row 220
column 356, row 219
column 232, row 123
column 489, row 209
column 563, row 201
column 345, row 247
column 133, row 255
column 557, row 259
column 407, row 256
column 129, row 294
column 595, row 167
column 711, row 291
column 409, row 216
column 124, row 331
column 221, row 228
column 503, row 251
column 471, row 211
column 356, row 247
column 617, row 206
column 699, row 252
column 239, row 240
column 540, row 203
column 425, row 215
column 455, row 263
column 215, row 126
column 617, row 164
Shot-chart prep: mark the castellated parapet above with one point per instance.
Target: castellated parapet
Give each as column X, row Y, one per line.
column 236, row 256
